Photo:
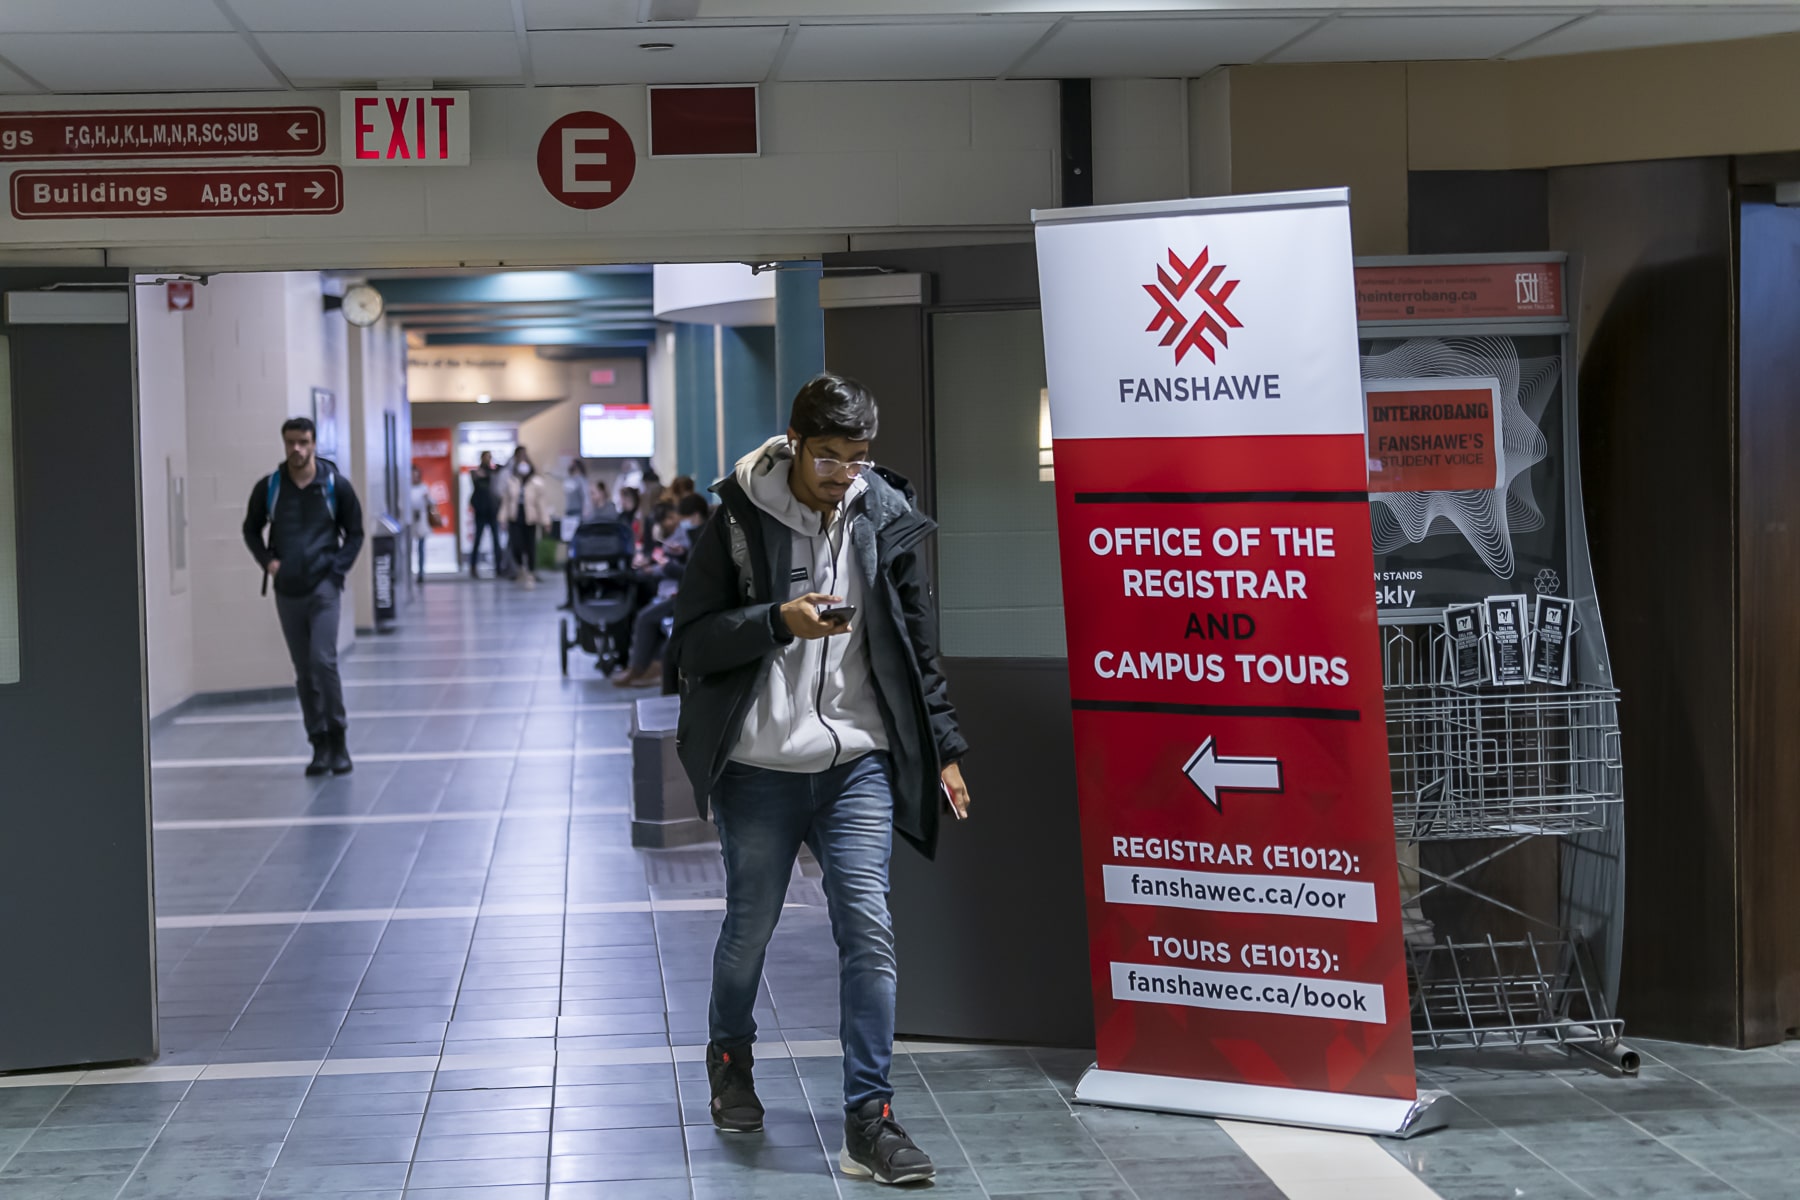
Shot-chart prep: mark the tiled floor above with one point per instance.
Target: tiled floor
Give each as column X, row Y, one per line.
column 450, row 976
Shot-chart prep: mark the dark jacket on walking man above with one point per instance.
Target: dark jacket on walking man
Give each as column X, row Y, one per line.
column 314, row 532
column 814, row 712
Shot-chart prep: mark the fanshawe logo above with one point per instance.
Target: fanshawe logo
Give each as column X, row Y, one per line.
column 1182, row 288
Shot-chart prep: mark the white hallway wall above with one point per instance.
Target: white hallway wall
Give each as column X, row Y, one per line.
column 841, row 162
column 162, row 438
column 375, row 365
column 215, row 384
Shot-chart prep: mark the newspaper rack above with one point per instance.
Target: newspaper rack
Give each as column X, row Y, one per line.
column 1506, row 766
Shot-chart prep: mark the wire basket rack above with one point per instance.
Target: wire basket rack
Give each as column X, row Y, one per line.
column 1483, row 762
column 1489, row 994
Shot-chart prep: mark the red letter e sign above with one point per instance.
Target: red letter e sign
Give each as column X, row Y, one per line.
column 586, row 160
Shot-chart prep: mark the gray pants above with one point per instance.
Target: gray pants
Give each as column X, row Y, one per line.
column 310, row 625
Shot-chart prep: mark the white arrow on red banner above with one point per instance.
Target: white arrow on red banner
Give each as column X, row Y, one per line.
column 1214, row 773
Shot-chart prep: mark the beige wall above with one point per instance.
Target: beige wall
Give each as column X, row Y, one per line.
column 1669, row 102
column 554, row 435
column 1331, row 125
column 1365, row 125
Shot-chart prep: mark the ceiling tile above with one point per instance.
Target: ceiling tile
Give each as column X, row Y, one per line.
column 440, row 57
column 580, row 14
column 111, row 16
column 13, row 83
column 1394, row 39
column 1631, row 31
column 1157, row 48
column 137, row 62
column 739, row 54
column 335, row 16
column 916, row 50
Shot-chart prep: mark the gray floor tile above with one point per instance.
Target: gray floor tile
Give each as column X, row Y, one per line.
column 505, row 984
column 479, row 1173
column 623, row 1189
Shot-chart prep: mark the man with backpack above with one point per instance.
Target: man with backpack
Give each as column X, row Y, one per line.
column 314, row 533
column 814, row 712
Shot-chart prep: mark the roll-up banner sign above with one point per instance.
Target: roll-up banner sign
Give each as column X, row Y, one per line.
column 1237, row 826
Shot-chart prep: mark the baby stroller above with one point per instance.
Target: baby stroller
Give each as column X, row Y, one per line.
column 604, row 593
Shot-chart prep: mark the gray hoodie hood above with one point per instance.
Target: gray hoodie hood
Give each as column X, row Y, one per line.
column 816, row 707
column 763, row 474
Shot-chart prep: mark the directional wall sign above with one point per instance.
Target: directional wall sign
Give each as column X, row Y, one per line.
column 163, row 133
column 177, row 192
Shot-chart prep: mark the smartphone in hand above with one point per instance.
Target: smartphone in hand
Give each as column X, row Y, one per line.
column 950, row 801
column 841, row 615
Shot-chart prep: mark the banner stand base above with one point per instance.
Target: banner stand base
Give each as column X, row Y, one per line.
column 1270, row 1105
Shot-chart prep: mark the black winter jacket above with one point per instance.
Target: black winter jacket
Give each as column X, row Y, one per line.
column 311, row 543
column 726, row 635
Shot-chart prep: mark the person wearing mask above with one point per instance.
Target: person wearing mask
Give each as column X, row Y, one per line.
column 314, row 529
column 643, row 667
column 814, row 712
column 422, row 515
column 484, row 503
column 525, row 501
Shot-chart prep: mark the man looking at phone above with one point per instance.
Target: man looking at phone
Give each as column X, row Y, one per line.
column 814, row 713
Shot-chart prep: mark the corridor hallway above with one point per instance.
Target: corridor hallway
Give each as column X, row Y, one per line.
column 449, row 975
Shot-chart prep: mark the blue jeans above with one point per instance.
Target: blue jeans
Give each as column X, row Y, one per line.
column 845, row 817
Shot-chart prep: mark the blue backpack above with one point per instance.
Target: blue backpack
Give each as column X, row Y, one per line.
column 330, row 490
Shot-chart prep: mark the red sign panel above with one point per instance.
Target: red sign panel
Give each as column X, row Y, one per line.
column 1434, row 435
column 1231, row 754
column 431, row 455
column 1459, row 291
column 586, row 160
column 704, row 121
column 181, row 295
column 177, row 192
column 163, row 133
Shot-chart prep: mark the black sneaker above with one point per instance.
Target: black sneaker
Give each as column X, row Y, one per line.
column 876, row 1147
column 735, row 1108
column 321, row 759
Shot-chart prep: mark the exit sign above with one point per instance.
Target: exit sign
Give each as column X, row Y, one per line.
column 404, row 129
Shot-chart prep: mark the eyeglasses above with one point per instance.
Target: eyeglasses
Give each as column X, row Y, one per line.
column 827, row 467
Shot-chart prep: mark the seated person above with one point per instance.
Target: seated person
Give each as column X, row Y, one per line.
column 647, row 629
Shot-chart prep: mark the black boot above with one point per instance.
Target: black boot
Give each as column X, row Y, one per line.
column 321, row 759
column 735, row 1107
column 876, row 1147
column 340, row 754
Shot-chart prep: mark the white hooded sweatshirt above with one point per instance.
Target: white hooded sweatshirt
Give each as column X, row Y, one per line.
column 817, row 708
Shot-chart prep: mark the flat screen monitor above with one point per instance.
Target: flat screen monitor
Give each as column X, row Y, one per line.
column 617, row 431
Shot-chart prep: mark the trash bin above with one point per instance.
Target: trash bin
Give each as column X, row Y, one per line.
column 384, row 559
column 663, row 813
